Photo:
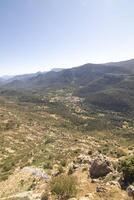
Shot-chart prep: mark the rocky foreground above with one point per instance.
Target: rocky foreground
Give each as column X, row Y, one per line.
column 96, row 178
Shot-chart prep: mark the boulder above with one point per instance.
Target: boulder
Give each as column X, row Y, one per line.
column 130, row 190
column 100, row 167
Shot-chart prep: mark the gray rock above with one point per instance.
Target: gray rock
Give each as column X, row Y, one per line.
column 37, row 172
column 130, row 191
column 100, row 167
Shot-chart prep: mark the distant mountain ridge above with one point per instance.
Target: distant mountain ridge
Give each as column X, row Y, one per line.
column 108, row 86
column 127, row 64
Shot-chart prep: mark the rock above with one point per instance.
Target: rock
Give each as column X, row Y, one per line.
column 122, row 182
column 101, row 188
column 113, row 176
column 100, row 167
column 37, row 172
column 83, row 159
column 55, row 173
column 90, row 196
column 130, row 191
column 95, row 180
column 84, row 198
column 72, row 167
column 75, row 166
column 114, row 183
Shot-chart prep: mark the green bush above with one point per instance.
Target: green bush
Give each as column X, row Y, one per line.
column 127, row 167
column 63, row 163
column 64, row 187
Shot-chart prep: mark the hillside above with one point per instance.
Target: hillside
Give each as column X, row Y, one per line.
column 64, row 129
column 128, row 64
column 54, row 137
column 111, row 82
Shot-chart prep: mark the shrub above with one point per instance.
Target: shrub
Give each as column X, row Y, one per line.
column 61, row 170
column 44, row 196
column 63, row 163
column 127, row 167
column 47, row 165
column 120, row 153
column 64, row 187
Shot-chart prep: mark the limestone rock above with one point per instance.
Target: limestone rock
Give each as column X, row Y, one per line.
column 100, row 167
column 130, row 191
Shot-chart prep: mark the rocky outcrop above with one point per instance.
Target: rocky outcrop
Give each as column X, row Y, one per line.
column 100, row 167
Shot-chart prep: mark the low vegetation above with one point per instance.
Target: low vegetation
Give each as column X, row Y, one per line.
column 64, row 187
column 127, row 168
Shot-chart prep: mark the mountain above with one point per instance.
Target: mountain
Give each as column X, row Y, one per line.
column 57, row 69
column 9, row 81
column 128, row 64
column 107, row 86
column 78, row 76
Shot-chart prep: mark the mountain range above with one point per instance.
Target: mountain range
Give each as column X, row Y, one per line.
column 108, row 86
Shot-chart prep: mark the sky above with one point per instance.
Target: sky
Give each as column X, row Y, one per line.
column 38, row 35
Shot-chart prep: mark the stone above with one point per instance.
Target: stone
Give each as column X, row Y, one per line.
column 95, row 180
column 72, row 167
column 37, row 172
column 114, row 183
column 83, row 159
column 130, row 190
column 100, row 167
column 100, row 188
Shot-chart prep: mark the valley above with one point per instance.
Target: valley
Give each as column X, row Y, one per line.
column 55, row 126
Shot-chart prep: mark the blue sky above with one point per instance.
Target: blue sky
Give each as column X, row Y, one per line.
column 37, row 35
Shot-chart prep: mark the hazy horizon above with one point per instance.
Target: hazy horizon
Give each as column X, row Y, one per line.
column 41, row 35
